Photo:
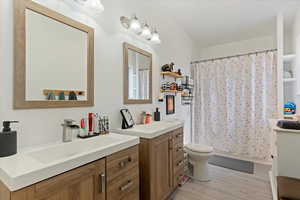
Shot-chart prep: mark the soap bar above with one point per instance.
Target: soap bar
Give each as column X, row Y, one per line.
column 286, row 124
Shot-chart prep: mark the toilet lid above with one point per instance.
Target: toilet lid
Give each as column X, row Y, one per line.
column 200, row 148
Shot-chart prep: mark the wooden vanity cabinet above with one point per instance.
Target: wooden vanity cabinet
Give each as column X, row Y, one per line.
column 115, row 177
column 84, row 183
column 161, row 165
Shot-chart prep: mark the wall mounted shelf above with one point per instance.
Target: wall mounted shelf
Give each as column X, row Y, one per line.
column 171, row 74
column 66, row 92
column 289, row 58
column 286, row 80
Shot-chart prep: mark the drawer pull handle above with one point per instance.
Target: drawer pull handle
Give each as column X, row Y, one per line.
column 180, row 163
column 178, row 135
column 102, row 185
column 125, row 162
column 128, row 185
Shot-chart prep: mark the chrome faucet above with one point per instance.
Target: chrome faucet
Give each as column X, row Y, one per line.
column 67, row 130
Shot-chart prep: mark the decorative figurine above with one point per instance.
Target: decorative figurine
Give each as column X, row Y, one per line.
column 168, row 67
column 289, row 108
column 173, row 86
column 179, row 72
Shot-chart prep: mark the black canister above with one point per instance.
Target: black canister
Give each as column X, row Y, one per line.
column 8, row 140
column 157, row 115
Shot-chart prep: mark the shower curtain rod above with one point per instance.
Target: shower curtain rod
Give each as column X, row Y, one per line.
column 238, row 55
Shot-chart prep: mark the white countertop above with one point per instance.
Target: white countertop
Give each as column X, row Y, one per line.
column 29, row 167
column 152, row 130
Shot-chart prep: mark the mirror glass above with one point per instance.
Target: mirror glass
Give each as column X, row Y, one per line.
column 56, row 60
column 138, row 75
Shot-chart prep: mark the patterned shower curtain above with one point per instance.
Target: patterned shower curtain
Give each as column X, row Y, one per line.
column 234, row 98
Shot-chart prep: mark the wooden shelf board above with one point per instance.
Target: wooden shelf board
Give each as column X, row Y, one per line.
column 289, row 80
column 66, row 92
column 171, row 74
column 288, row 58
column 171, row 91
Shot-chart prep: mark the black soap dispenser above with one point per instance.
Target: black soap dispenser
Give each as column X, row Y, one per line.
column 157, row 115
column 8, row 140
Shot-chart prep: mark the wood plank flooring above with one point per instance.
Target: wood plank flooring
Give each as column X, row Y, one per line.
column 226, row 185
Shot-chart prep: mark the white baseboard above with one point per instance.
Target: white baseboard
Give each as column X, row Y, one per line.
column 273, row 186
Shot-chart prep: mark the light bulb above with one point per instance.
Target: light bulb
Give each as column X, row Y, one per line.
column 155, row 38
column 146, row 32
column 135, row 25
column 95, row 5
column 91, row 5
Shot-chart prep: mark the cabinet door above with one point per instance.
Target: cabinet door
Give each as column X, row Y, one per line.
column 84, row 183
column 162, row 148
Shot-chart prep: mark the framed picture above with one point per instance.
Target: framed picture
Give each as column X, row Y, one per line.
column 170, row 104
column 127, row 121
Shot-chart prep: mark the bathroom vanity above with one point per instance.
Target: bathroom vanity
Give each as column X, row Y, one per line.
column 100, row 168
column 161, row 157
column 285, row 150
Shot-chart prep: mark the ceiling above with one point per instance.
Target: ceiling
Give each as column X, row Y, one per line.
column 212, row 22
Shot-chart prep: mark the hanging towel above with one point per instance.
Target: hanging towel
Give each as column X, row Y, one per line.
column 286, row 124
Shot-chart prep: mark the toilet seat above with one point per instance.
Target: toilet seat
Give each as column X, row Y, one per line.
column 199, row 148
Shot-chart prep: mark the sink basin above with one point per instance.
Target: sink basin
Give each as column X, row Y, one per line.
column 152, row 130
column 36, row 164
column 69, row 150
column 153, row 127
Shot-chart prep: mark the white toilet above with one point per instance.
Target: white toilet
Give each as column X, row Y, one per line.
column 198, row 158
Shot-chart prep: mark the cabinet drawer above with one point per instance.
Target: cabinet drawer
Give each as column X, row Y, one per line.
column 178, row 150
column 120, row 162
column 178, row 164
column 178, row 135
column 125, row 187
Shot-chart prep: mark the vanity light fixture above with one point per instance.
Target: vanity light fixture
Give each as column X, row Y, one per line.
column 91, row 5
column 155, row 38
column 135, row 25
column 144, row 31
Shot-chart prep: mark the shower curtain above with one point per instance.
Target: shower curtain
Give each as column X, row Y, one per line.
column 234, row 98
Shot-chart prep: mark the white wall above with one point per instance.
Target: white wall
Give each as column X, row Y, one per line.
column 296, row 49
column 239, row 47
column 43, row 126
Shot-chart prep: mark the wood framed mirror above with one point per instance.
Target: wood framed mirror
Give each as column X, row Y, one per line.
column 137, row 75
column 53, row 59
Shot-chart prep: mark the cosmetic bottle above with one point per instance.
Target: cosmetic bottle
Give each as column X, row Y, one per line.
column 148, row 118
column 8, row 140
column 91, row 123
column 83, row 128
column 157, row 115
